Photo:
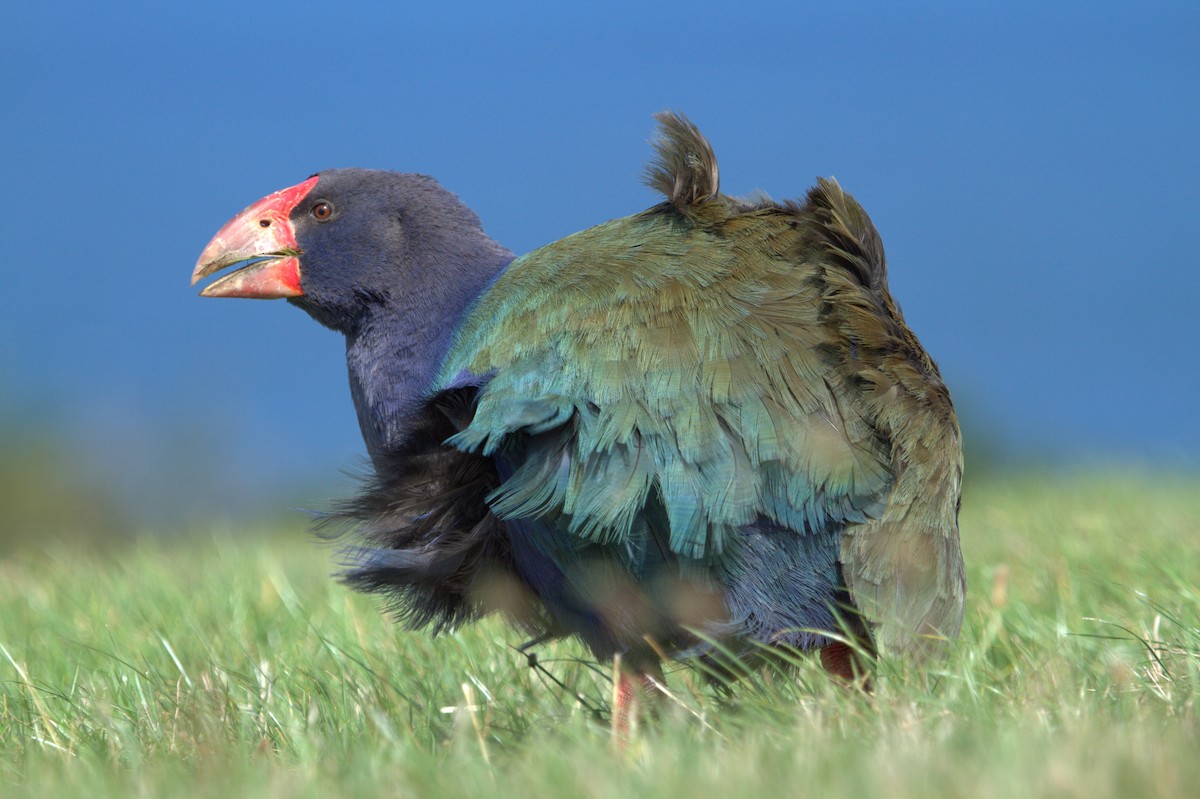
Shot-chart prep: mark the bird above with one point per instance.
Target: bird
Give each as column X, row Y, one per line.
column 699, row 431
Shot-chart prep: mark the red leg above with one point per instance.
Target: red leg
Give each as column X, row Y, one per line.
column 635, row 692
column 625, row 701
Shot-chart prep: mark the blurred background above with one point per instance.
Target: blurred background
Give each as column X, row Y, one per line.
column 1032, row 167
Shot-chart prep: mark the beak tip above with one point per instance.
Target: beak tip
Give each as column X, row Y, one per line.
column 264, row 279
column 205, row 265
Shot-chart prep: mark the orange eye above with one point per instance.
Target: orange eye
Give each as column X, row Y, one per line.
column 322, row 211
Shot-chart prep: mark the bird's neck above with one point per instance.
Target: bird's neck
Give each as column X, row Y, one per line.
column 393, row 356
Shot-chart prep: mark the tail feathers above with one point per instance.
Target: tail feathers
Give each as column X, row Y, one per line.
column 685, row 169
column 847, row 234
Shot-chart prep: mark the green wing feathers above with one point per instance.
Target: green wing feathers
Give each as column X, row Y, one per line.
column 742, row 361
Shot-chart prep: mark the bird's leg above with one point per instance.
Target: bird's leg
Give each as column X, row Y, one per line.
column 625, row 702
column 635, row 692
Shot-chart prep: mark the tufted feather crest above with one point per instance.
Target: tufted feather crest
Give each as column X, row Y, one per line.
column 685, row 167
column 847, row 235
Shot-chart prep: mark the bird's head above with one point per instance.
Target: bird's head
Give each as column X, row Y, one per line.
column 347, row 240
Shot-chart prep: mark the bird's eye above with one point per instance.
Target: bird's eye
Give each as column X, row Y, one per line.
column 322, row 211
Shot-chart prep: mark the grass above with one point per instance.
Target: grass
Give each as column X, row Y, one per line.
column 230, row 664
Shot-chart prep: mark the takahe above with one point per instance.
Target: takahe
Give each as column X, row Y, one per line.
column 695, row 430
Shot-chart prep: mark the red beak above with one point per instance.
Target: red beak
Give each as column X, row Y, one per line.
column 262, row 241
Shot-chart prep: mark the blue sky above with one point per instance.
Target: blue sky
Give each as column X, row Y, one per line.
column 1033, row 169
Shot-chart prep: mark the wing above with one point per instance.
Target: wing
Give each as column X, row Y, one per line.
column 687, row 358
column 730, row 364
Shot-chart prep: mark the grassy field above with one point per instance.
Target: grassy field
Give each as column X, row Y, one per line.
column 229, row 664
